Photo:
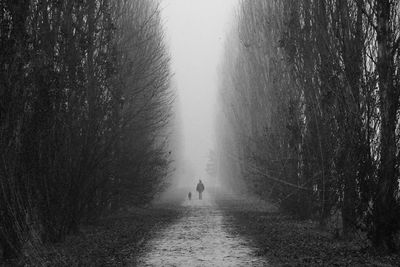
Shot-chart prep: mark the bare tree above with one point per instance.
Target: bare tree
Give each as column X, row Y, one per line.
column 83, row 84
column 310, row 102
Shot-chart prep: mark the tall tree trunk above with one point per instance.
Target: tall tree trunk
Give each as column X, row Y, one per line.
column 352, row 55
column 385, row 207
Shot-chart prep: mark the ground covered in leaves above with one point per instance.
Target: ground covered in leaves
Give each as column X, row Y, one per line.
column 289, row 242
column 119, row 239
column 112, row 241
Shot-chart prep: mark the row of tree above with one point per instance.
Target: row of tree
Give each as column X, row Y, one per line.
column 310, row 110
column 84, row 108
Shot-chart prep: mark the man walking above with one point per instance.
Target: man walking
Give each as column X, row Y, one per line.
column 200, row 188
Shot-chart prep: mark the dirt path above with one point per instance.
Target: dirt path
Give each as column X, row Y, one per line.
column 223, row 231
column 203, row 236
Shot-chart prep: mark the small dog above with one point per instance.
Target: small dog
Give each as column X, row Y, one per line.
column 190, row 195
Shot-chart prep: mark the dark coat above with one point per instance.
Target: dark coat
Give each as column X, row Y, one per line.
column 200, row 187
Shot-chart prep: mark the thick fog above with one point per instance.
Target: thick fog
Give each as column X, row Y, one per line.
column 195, row 33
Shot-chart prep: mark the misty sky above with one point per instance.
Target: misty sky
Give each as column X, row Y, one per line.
column 195, row 36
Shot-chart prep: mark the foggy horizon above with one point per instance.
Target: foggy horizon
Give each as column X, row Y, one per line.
column 195, row 35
